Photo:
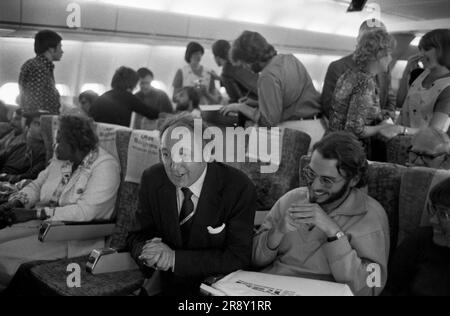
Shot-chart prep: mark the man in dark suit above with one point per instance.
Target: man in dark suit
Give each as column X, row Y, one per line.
column 338, row 67
column 196, row 217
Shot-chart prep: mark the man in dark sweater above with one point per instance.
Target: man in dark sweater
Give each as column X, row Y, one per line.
column 152, row 97
column 117, row 105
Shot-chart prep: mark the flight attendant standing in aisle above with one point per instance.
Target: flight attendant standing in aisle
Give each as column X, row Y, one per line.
column 194, row 74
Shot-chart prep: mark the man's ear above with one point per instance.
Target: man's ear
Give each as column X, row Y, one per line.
column 354, row 182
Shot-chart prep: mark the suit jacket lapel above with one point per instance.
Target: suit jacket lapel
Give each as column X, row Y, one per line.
column 209, row 204
column 169, row 213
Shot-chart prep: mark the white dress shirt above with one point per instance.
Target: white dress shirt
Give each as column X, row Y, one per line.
column 196, row 189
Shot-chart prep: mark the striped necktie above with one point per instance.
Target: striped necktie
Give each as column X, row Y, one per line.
column 186, row 214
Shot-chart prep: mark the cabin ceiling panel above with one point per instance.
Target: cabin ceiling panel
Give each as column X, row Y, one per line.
column 45, row 12
column 10, row 11
column 416, row 9
column 98, row 16
column 151, row 22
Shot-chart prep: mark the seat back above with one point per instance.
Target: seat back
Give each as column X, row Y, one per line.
column 397, row 149
column 416, row 186
column 384, row 186
column 272, row 186
column 127, row 196
column 47, row 134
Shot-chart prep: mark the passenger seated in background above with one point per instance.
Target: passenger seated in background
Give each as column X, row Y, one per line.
column 196, row 75
column 196, row 218
column 239, row 82
column 79, row 185
column 427, row 103
column 117, row 105
column 13, row 132
column 338, row 67
column 150, row 96
column 420, row 266
column 355, row 106
column 187, row 100
column 430, row 148
column 3, row 112
column 25, row 160
column 330, row 230
column 5, row 126
column 286, row 94
column 86, row 99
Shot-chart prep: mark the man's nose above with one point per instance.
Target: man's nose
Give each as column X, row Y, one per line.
column 434, row 220
column 316, row 184
column 176, row 166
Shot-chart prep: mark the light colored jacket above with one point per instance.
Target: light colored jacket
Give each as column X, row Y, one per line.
column 305, row 253
column 89, row 195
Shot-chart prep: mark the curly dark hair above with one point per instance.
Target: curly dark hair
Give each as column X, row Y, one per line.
column 124, row 79
column 349, row 153
column 221, row 48
column 252, row 47
column 78, row 132
column 46, row 39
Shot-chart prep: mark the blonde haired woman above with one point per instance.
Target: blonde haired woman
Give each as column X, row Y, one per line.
column 355, row 106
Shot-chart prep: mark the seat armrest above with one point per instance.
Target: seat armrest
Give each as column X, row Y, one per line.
column 65, row 231
column 108, row 260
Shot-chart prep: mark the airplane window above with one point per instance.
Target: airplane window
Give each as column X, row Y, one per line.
column 9, row 93
column 398, row 69
column 96, row 87
column 159, row 85
column 63, row 90
column 318, row 85
column 416, row 40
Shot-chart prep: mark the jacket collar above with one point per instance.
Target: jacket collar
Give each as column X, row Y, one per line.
column 47, row 63
column 86, row 164
column 354, row 205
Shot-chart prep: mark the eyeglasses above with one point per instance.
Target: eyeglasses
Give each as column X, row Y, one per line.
column 423, row 156
column 442, row 213
column 310, row 175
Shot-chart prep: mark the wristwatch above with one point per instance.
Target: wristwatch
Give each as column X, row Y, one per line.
column 338, row 236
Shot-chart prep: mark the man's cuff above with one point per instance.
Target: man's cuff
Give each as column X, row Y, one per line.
column 173, row 261
column 337, row 249
column 49, row 212
column 266, row 250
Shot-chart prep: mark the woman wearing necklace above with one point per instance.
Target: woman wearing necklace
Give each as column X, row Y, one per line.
column 79, row 185
column 194, row 74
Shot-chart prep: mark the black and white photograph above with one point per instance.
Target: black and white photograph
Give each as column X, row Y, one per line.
column 219, row 154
